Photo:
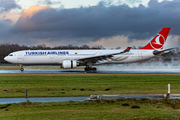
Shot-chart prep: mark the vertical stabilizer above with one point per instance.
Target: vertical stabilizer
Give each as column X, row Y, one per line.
column 158, row 41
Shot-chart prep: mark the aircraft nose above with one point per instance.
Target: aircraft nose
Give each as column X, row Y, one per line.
column 10, row 59
column 6, row 59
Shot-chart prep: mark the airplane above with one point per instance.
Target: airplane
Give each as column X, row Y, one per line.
column 72, row 58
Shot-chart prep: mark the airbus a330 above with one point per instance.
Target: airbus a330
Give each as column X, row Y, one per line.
column 72, row 58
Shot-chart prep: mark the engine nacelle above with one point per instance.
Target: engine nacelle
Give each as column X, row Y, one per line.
column 69, row 64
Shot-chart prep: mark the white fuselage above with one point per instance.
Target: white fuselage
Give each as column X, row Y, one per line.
column 49, row 57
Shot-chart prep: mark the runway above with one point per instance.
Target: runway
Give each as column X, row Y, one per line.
column 100, row 71
column 132, row 68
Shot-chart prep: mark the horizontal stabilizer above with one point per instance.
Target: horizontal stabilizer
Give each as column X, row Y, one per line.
column 157, row 52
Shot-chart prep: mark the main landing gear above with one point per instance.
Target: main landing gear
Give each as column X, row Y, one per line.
column 87, row 68
column 21, row 68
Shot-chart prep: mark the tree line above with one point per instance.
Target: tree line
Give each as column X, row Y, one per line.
column 5, row 49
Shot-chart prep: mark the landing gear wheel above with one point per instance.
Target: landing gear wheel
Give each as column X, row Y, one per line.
column 94, row 69
column 86, row 69
column 90, row 69
column 22, row 69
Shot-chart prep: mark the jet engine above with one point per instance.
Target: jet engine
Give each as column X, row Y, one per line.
column 69, row 64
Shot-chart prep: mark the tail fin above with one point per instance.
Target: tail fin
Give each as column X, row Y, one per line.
column 158, row 41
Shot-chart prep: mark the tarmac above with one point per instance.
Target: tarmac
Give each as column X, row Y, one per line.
column 132, row 68
column 134, row 96
column 80, row 71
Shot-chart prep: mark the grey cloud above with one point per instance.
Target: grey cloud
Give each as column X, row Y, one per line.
column 4, row 28
column 48, row 2
column 7, row 5
column 179, row 41
column 95, row 22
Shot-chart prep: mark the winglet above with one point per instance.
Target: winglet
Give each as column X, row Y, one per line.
column 127, row 49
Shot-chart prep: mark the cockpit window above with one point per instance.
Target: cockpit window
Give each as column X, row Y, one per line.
column 10, row 55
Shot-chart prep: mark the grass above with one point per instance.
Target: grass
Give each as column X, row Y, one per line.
column 9, row 67
column 106, row 110
column 38, row 85
column 15, row 85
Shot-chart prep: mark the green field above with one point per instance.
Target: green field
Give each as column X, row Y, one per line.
column 15, row 85
column 106, row 110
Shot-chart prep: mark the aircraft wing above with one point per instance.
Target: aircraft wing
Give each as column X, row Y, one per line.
column 95, row 58
column 156, row 52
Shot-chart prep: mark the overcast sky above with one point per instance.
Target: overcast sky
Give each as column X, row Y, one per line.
column 109, row 23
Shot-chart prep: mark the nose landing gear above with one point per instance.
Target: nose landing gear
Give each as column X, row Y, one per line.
column 21, row 68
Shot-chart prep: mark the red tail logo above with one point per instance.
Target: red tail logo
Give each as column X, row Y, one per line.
column 158, row 41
